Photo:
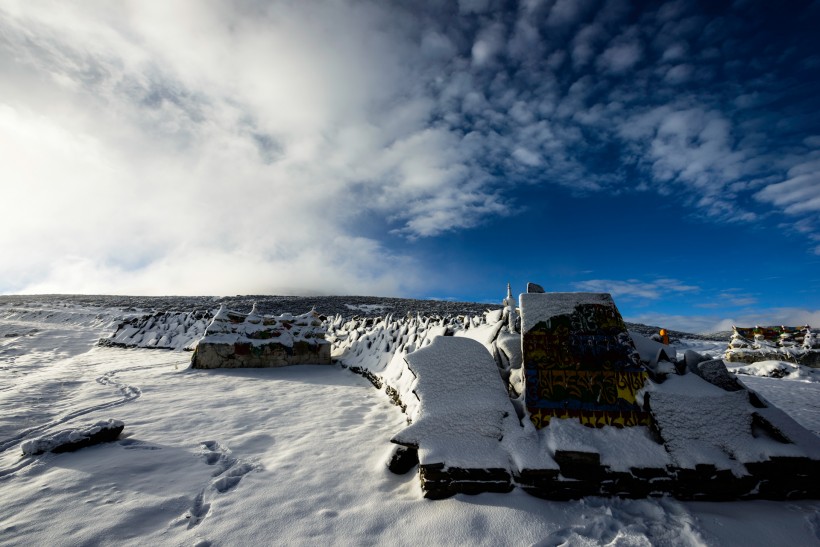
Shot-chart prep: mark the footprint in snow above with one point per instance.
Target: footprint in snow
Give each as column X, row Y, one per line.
column 217, row 454
column 133, row 444
column 228, row 473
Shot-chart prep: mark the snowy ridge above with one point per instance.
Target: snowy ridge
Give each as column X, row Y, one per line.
column 15, row 319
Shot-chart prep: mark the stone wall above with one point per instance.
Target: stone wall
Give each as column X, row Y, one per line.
column 235, row 340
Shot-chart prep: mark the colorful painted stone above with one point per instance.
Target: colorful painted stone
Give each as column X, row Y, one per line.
column 579, row 361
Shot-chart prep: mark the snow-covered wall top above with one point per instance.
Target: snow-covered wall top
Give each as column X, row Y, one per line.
column 464, row 409
column 230, row 327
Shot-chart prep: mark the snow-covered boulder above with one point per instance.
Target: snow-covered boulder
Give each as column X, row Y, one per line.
column 69, row 440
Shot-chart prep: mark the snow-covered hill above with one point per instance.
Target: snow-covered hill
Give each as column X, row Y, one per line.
column 292, row 456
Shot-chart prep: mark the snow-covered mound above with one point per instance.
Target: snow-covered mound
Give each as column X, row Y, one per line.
column 464, row 412
column 236, row 340
column 315, row 440
column 69, row 440
column 777, row 369
column 377, row 347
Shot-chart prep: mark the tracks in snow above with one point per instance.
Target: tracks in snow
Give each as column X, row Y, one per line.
column 128, row 392
column 228, row 471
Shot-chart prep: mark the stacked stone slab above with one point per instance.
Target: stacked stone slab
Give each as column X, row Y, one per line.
column 579, row 361
column 236, row 340
column 698, row 434
column 464, row 413
column 719, row 440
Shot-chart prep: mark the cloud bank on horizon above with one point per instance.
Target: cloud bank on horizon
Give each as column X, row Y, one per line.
column 295, row 147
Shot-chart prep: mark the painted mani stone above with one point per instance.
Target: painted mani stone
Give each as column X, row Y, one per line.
column 579, row 361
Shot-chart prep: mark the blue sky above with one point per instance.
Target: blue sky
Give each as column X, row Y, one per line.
column 667, row 153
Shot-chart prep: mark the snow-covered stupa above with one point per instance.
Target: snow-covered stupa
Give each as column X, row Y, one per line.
column 237, row 340
column 799, row 345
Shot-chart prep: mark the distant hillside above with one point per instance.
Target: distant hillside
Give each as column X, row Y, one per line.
column 346, row 306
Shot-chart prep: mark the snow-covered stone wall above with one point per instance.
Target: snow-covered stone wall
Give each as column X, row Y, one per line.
column 161, row 330
column 798, row 345
column 236, row 340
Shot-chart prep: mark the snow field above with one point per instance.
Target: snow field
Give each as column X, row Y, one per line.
column 290, row 456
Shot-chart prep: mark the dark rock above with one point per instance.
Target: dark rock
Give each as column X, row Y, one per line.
column 403, row 459
column 69, row 440
column 715, row 372
column 439, row 482
column 692, row 359
column 579, row 465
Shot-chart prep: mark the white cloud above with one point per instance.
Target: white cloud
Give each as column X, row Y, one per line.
column 792, row 317
column 634, row 288
column 585, row 43
column 797, row 195
column 473, row 6
column 679, row 74
column 488, row 45
column 619, row 58
column 213, row 128
column 191, row 135
column 565, row 13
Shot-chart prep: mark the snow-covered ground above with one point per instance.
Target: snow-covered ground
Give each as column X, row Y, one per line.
column 292, row 455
